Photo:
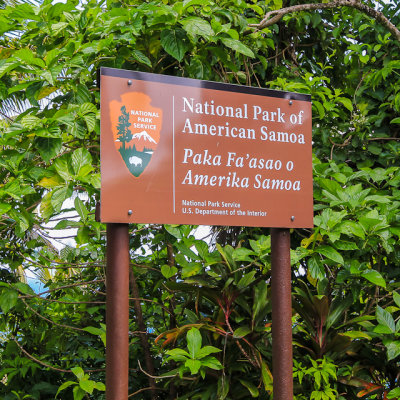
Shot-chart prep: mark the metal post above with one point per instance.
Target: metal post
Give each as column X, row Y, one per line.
column 117, row 312
column 282, row 354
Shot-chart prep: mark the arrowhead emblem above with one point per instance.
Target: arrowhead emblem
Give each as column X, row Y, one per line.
column 136, row 127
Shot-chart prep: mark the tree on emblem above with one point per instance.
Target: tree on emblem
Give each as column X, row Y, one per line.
column 124, row 133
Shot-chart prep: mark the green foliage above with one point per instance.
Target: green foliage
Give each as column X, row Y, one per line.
column 205, row 305
column 198, row 358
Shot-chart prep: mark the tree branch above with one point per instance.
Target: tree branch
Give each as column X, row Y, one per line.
column 50, row 321
column 272, row 17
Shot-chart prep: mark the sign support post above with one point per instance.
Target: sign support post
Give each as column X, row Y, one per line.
column 183, row 151
column 117, row 312
column 282, row 353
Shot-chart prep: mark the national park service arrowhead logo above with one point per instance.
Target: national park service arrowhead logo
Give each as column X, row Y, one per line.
column 136, row 127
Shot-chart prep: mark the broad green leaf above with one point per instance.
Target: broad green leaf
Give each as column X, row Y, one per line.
column 100, row 386
column 28, row 57
column 24, row 288
column 330, row 252
column 379, row 199
column 193, row 365
column 237, row 46
column 385, row 318
column 266, row 377
column 188, row 3
column 320, row 108
column 207, row 350
column 394, row 393
column 90, row 120
column 8, row 299
column 23, row 11
column 382, row 329
column 351, row 227
column 30, row 121
column 316, row 268
column 48, row 147
column 375, row 277
column 396, row 298
column 168, row 271
column 194, row 341
column 243, row 254
column 81, row 209
column 80, row 158
column 357, row 335
column 140, row 57
column 78, row 393
column 191, row 269
column 225, row 255
column 345, row 245
column 178, row 354
column 83, row 235
column 62, row 165
column 46, row 208
column 251, row 388
column 4, row 208
column 83, row 95
column 175, row 43
column 211, row 362
column 393, row 349
column 59, row 27
column 241, row 332
column 87, row 108
column 87, row 385
column 97, row 332
column 58, row 197
column 64, row 386
column 78, row 372
column 346, row 102
column 197, row 26
column 246, row 280
column 8, row 65
column 173, row 230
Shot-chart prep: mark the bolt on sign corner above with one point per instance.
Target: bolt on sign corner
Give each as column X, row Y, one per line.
column 184, row 151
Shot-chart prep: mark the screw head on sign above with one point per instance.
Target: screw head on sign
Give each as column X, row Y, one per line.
column 292, row 218
column 290, row 102
column 129, row 212
column 129, row 82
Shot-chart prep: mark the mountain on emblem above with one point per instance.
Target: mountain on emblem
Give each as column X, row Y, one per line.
column 136, row 130
column 145, row 136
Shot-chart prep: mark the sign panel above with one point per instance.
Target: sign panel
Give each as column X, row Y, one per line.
column 183, row 151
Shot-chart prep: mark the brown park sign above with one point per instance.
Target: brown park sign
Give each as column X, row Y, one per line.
column 184, row 151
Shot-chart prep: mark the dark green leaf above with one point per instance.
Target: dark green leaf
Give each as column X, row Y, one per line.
column 168, row 271
column 8, row 299
column 197, row 26
column 375, row 277
column 393, row 349
column 330, row 252
column 251, row 388
column 175, row 43
column 194, row 341
column 237, row 46
column 241, row 332
column 385, row 318
column 48, row 147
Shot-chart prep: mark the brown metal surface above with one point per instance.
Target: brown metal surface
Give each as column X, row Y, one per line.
column 183, row 151
column 282, row 355
column 117, row 312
